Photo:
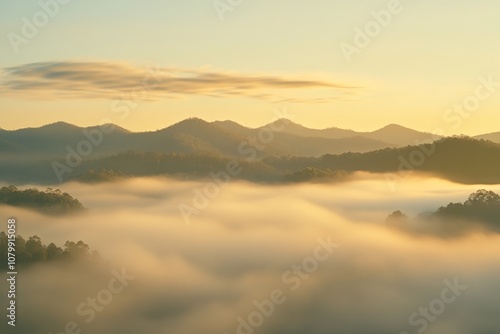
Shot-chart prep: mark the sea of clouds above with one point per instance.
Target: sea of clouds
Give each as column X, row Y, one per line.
column 308, row 258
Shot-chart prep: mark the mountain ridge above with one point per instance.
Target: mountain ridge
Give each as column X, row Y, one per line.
column 459, row 159
column 220, row 138
column 231, row 123
column 191, row 135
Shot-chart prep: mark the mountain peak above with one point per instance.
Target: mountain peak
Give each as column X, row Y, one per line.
column 59, row 124
column 115, row 127
column 398, row 129
column 191, row 120
column 231, row 126
column 394, row 126
column 286, row 122
column 189, row 124
column 56, row 127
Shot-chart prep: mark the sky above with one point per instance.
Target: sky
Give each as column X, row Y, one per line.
column 87, row 62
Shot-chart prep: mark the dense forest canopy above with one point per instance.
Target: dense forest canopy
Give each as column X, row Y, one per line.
column 49, row 201
column 33, row 251
column 481, row 209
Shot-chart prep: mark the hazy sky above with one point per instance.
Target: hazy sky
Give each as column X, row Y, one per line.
column 264, row 55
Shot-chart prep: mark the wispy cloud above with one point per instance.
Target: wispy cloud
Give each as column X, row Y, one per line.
column 106, row 80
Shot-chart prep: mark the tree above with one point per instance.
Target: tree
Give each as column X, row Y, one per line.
column 77, row 250
column 35, row 249
column 480, row 211
column 21, row 255
column 483, row 197
column 53, row 252
column 397, row 220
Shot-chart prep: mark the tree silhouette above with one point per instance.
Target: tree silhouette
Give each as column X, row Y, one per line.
column 480, row 210
column 77, row 250
column 54, row 252
column 35, row 248
column 483, row 198
column 48, row 201
column 396, row 220
column 34, row 251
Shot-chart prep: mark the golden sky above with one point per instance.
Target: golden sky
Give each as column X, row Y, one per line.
column 359, row 65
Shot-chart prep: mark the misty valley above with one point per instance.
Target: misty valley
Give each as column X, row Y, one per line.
column 218, row 228
column 249, row 167
column 314, row 254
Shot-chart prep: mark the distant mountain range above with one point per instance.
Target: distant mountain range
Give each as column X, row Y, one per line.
column 194, row 148
column 391, row 135
column 494, row 137
column 216, row 138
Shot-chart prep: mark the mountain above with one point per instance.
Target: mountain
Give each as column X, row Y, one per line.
column 289, row 127
column 294, row 139
column 400, row 136
column 194, row 147
column 50, row 140
column 10, row 147
column 494, row 137
column 299, row 130
column 189, row 136
column 233, row 127
column 460, row 159
column 318, row 146
column 392, row 135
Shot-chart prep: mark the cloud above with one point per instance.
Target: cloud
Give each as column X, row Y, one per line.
column 106, row 80
column 200, row 278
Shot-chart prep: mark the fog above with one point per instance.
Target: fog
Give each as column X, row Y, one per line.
column 206, row 274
